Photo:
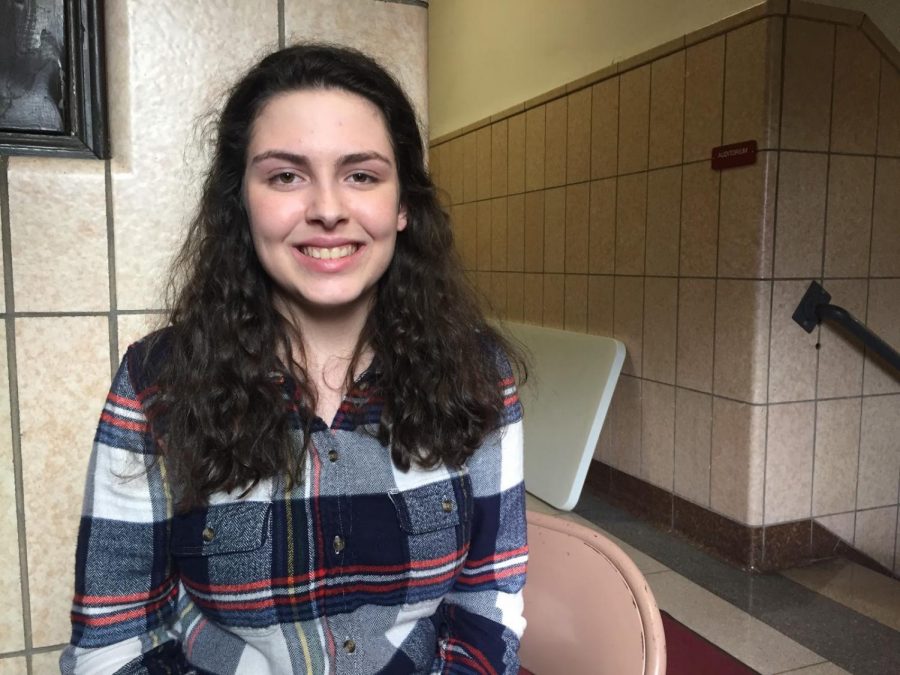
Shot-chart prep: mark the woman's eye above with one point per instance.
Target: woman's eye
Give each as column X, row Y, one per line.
column 360, row 177
column 284, row 178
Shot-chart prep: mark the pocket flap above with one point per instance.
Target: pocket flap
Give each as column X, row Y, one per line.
column 427, row 508
column 224, row 528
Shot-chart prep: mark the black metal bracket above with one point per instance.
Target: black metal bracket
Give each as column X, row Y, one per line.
column 814, row 308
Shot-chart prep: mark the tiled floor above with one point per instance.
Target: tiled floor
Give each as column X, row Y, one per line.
column 828, row 619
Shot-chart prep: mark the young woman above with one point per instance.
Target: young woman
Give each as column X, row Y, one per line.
column 317, row 466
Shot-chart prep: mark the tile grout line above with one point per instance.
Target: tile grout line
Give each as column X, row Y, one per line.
column 281, row 28
column 14, row 412
column 678, row 277
column 113, row 322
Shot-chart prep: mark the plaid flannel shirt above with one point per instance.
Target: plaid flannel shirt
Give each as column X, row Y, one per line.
column 361, row 568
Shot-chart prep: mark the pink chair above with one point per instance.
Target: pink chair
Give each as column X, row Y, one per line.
column 589, row 608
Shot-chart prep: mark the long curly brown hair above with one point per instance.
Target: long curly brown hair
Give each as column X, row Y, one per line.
column 221, row 416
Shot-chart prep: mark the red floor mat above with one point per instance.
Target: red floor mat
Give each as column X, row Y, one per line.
column 690, row 654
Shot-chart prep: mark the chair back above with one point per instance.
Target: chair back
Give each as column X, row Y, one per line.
column 589, row 608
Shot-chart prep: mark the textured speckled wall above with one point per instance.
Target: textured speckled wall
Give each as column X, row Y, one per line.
column 593, row 208
column 85, row 248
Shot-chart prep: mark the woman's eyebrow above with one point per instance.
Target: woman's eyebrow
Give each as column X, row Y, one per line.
column 303, row 160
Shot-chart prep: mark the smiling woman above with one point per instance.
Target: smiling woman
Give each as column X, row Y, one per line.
column 316, row 466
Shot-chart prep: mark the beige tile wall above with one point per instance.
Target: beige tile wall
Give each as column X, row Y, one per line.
column 620, row 227
column 86, row 247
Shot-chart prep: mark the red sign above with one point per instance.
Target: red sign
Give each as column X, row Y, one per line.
column 735, row 154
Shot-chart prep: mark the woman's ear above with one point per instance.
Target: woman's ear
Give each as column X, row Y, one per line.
column 401, row 218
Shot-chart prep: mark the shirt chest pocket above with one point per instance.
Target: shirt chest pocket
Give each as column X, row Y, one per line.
column 221, row 552
column 434, row 506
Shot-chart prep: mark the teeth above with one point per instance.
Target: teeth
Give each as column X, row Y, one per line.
column 329, row 253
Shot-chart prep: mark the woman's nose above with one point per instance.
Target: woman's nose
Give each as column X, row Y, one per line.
column 326, row 208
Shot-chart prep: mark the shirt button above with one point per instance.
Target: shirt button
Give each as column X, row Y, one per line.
column 208, row 534
column 332, row 455
column 349, row 646
column 338, row 543
column 447, row 505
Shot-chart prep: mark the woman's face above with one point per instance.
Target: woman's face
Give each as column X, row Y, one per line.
column 323, row 195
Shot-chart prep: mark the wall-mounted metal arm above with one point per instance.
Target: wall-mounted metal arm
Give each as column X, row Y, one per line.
column 814, row 308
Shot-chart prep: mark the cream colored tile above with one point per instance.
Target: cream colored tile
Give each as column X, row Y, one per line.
column 516, row 153
column 792, row 351
column 840, row 355
column 741, row 340
column 577, row 230
column 836, row 456
column 704, row 77
column 56, row 436
column 515, row 297
column 394, row 33
column 808, row 68
column 658, row 434
column 12, row 637
column 802, row 182
column 889, row 110
column 660, row 312
column 515, row 233
column 578, row 137
column 554, row 301
column 157, row 147
column 885, row 260
column 499, row 158
column 747, row 639
column 499, row 236
column 876, row 530
column 555, row 143
column 576, row 299
column 40, row 192
column 747, row 209
column 534, row 231
column 533, row 310
column 864, row 590
column 855, row 103
column 663, row 221
column 699, row 220
column 839, row 524
column 879, row 452
column 535, row 150
column 483, row 167
column 600, row 305
column 483, row 236
column 602, row 226
column 14, row 665
column 667, row 109
column 696, row 323
column 634, row 116
column 789, row 462
column 133, row 327
column 693, row 428
column 884, row 319
column 45, row 662
column 631, row 217
column 849, row 218
column 604, row 128
column 753, row 83
column 555, row 230
column 628, row 316
column 625, row 450
column 737, row 460
column 470, row 167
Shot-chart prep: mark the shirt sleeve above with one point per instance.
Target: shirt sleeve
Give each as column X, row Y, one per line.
column 481, row 620
column 123, row 611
